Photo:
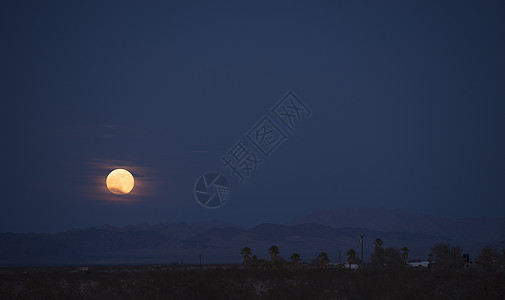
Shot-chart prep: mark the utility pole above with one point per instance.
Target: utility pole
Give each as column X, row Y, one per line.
column 339, row 258
column 361, row 241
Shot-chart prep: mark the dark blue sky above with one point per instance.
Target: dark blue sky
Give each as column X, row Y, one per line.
column 407, row 100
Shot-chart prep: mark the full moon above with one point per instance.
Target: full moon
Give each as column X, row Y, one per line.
column 120, row 182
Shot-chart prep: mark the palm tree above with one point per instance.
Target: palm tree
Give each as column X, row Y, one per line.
column 246, row 251
column 273, row 250
column 295, row 259
column 351, row 256
column 323, row 259
column 254, row 261
column 378, row 243
column 405, row 253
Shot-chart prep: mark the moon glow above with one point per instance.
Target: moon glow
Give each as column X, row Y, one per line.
column 120, row 182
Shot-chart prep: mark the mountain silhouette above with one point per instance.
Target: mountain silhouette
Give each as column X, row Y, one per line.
column 382, row 219
column 334, row 232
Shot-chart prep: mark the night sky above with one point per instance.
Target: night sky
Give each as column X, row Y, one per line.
column 407, row 103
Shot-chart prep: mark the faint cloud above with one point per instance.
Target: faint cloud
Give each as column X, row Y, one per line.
column 109, row 125
column 203, row 151
column 114, row 131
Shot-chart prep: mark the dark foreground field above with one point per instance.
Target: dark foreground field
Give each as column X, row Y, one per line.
column 234, row 283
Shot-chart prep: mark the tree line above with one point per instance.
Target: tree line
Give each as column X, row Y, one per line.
column 442, row 256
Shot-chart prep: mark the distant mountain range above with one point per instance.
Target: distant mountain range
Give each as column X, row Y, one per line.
column 220, row 242
column 485, row 230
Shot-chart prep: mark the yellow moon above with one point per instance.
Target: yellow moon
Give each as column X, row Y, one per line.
column 120, row 181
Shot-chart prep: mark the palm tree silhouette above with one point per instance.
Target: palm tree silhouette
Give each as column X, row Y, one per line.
column 295, row 259
column 351, row 256
column 323, row 259
column 378, row 243
column 246, row 251
column 273, row 250
column 405, row 253
column 254, row 262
